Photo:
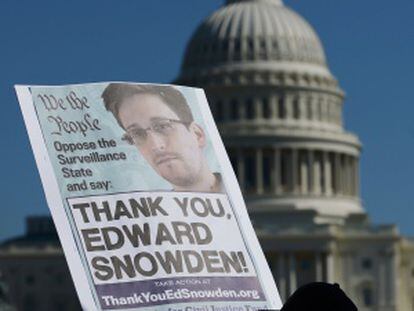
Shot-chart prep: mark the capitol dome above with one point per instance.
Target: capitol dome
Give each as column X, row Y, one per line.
column 243, row 31
column 278, row 109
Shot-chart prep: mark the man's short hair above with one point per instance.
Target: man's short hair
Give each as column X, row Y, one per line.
column 115, row 93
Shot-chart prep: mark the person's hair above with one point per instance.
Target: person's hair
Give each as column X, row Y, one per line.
column 115, row 93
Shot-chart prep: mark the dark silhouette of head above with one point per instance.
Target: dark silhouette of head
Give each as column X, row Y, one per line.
column 319, row 296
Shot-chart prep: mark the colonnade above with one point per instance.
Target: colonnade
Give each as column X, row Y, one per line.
column 288, row 106
column 282, row 171
column 291, row 270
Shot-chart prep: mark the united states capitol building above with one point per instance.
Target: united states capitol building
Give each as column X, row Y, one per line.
column 279, row 110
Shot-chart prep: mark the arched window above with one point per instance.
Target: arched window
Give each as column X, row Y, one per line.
column 367, row 297
column 366, row 294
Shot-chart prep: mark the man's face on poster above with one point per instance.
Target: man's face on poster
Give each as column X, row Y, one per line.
column 173, row 147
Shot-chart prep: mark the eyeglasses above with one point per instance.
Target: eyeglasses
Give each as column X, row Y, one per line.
column 164, row 127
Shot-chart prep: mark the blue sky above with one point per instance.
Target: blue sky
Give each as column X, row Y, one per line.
column 369, row 46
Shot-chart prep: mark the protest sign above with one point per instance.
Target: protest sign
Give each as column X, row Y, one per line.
column 144, row 198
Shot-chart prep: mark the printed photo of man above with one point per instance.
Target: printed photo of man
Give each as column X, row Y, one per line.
column 158, row 121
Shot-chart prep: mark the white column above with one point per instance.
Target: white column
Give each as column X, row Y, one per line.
column 338, row 173
column 274, row 106
column 333, row 110
column 289, row 106
column 311, row 102
column 393, row 290
column 346, row 174
column 346, row 179
column 311, row 172
column 317, row 177
column 281, row 275
column 351, row 176
column 302, row 106
column 294, row 170
column 382, row 280
column 328, row 173
column 318, row 267
column 259, row 171
column 304, row 173
column 339, row 111
column 356, row 176
column 258, row 109
column 315, row 108
column 347, row 271
column 330, row 268
column 292, row 273
column 278, row 175
column 322, row 108
column 353, row 173
column 328, row 109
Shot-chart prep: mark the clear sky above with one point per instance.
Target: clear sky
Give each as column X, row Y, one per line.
column 369, row 45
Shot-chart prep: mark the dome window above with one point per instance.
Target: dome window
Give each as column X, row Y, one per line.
column 250, row 109
column 225, row 46
column 250, row 45
column 234, row 110
column 319, row 109
column 268, row 170
column 296, row 112
column 237, row 45
column 262, row 51
column 263, row 44
column 284, row 173
column 214, row 47
column 309, row 114
column 281, row 108
column 267, row 111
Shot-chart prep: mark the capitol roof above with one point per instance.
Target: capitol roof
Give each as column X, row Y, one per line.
column 253, row 30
